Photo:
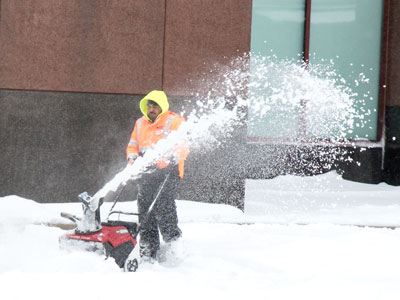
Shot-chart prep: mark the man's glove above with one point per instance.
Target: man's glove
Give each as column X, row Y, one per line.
column 165, row 162
column 162, row 163
column 131, row 158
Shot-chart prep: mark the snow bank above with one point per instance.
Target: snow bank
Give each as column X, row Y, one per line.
column 325, row 198
column 17, row 211
column 221, row 259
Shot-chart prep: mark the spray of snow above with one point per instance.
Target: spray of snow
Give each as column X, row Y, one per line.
column 314, row 99
column 198, row 132
column 248, row 90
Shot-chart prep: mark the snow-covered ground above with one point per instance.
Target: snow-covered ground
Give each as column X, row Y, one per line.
column 295, row 240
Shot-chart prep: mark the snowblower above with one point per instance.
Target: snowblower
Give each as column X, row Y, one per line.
column 114, row 238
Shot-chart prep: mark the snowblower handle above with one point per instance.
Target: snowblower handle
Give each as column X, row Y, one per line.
column 158, row 194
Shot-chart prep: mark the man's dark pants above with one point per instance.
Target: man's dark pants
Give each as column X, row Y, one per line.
column 163, row 216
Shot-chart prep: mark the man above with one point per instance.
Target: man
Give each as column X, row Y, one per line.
column 155, row 124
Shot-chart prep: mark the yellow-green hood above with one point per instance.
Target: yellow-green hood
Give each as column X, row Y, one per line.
column 157, row 96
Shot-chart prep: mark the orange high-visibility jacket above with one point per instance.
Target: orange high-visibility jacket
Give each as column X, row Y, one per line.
column 147, row 133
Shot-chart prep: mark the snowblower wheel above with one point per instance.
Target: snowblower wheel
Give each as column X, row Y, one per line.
column 131, row 265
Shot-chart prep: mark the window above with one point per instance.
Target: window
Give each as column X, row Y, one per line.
column 344, row 35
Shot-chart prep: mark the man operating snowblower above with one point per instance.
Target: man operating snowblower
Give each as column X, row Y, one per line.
column 157, row 123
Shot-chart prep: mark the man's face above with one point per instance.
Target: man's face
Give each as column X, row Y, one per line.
column 153, row 110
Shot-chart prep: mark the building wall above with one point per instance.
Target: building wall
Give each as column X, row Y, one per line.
column 117, row 46
column 82, row 46
column 57, row 145
column 72, row 73
column 200, row 34
column 394, row 55
column 391, row 173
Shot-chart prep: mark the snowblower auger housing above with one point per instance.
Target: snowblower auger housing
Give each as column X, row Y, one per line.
column 114, row 238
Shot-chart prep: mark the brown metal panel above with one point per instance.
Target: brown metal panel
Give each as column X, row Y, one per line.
column 199, row 34
column 307, row 27
column 393, row 88
column 112, row 46
column 383, row 69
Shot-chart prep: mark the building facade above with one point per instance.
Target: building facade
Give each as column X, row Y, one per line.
column 72, row 72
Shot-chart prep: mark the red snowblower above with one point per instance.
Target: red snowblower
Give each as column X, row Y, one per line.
column 114, row 238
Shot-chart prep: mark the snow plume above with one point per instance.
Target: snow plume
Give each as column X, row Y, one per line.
column 278, row 101
column 313, row 100
column 307, row 114
column 303, row 115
